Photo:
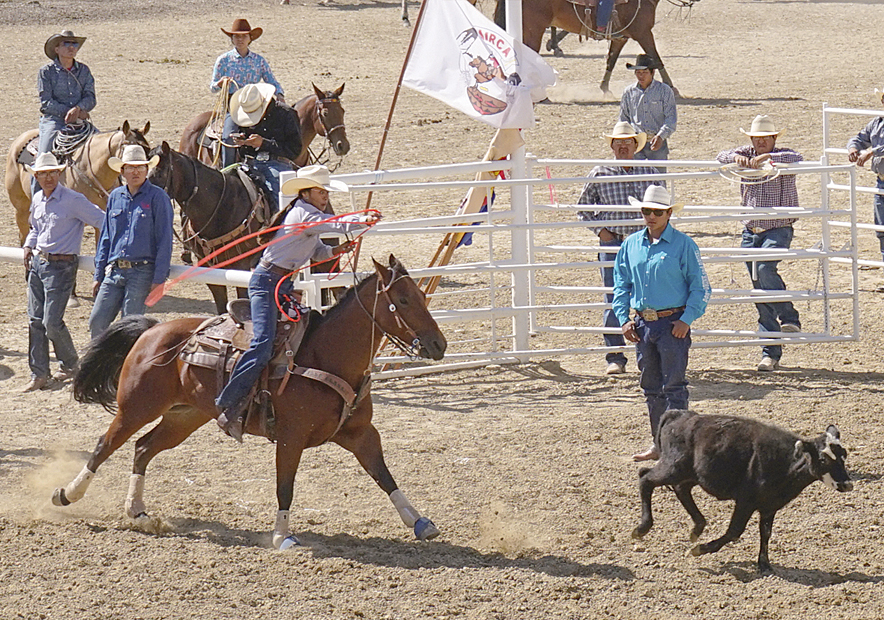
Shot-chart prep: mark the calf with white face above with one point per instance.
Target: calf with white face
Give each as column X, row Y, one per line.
column 759, row 466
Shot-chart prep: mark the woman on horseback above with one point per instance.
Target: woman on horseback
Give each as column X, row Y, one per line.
column 292, row 246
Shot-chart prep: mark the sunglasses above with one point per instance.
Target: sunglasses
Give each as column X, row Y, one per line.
column 656, row 212
column 70, row 44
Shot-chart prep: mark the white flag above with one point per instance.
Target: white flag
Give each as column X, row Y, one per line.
column 465, row 60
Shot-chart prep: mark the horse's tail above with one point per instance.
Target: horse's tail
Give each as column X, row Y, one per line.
column 500, row 13
column 98, row 373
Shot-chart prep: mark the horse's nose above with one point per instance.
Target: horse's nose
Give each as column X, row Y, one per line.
column 434, row 347
column 342, row 147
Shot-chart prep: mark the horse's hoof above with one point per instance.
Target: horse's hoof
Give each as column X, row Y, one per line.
column 425, row 529
column 58, row 498
column 288, row 542
column 558, row 53
column 406, row 22
column 697, row 551
column 73, row 302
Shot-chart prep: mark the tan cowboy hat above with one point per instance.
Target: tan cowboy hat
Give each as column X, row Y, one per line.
column 624, row 130
column 44, row 161
column 313, row 176
column 656, row 197
column 133, row 155
column 242, row 26
column 762, row 125
column 248, row 104
column 53, row 41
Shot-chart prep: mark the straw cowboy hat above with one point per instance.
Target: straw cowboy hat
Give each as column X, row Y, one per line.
column 313, row 176
column 133, row 155
column 623, row 130
column 248, row 104
column 656, row 197
column 44, row 161
column 761, row 126
column 643, row 61
column 53, row 41
column 242, row 26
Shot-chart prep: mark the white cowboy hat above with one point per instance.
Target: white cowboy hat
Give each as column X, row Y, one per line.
column 761, row 126
column 656, row 197
column 623, row 130
column 133, row 155
column 248, row 104
column 53, row 41
column 44, row 161
column 313, row 176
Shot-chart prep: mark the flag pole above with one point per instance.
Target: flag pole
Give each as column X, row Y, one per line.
column 414, row 31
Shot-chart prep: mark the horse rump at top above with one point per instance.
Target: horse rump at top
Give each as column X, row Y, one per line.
column 759, row 466
column 134, row 368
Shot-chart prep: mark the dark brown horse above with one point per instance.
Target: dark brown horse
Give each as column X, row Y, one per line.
column 154, row 383
column 320, row 114
column 218, row 209
column 635, row 19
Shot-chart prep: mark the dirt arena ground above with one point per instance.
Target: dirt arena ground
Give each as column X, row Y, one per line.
column 524, row 469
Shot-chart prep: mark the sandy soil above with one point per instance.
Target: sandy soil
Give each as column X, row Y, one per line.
column 524, row 469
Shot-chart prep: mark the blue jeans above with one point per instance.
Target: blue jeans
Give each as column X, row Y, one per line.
column 610, row 319
column 247, row 371
column 767, row 278
column 121, row 289
column 647, row 153
column 48, row 128
column 879, row 216
column 49, row 286
column 603, row 14
column 228, row 154
column 663, row 361
column 271, row 169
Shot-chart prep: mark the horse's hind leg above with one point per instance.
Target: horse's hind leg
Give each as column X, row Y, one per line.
column 365, row 444
column 176, row 426
column 614, row 48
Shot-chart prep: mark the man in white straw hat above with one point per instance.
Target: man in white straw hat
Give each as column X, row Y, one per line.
column 134, row 250
column 767, row 231
column 867, row 145
column 238, row 67
column 659, row 275
column 292, row 246
column 267, row 134
column 624, row 142
column 58, row 217
column 649, row 106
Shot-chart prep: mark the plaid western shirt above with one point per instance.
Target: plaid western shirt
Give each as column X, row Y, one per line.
column 778, row 192
column 614, row 193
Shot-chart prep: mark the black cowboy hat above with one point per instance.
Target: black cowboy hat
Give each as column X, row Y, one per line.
column 53, row 41
column 643, row 61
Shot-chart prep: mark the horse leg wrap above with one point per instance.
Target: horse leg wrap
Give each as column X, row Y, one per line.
column 135, row 499
column 75, row 490
column 282, row 540
column 406, row 511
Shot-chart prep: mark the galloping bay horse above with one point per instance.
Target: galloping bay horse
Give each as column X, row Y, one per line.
column 320, row 114
column 635, row 20
column 155, row 383
column 89, row 174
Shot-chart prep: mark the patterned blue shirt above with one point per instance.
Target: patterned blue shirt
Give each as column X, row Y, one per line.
column 60, row 89
column 667, row 273
column 248, row 69
column 137, row 228
column 57, row 221
column 616, row 193
column 651, row 110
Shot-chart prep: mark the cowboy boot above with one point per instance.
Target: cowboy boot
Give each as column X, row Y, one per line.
column 231, row 421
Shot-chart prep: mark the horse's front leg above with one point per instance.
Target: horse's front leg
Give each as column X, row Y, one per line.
column 364, row 442
column 614, row 48
column 288, row 457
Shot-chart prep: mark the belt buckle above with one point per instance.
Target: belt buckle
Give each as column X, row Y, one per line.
column 124, row 264
column 262, row 156
column 649, row 315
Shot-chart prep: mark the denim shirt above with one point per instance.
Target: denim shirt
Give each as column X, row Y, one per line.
column 57, row 221
column 651, row 110
column 60, row 89
column 137, row 228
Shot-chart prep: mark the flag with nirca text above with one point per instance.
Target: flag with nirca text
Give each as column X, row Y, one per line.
column 465, row 60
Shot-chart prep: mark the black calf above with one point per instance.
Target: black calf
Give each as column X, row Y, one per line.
column 761, row 467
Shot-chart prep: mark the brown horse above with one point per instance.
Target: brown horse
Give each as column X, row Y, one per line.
column 635, row 19
column 320, row 114
column 154, row 383
column 90, row 175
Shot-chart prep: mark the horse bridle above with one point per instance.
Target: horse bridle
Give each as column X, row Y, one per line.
column 320, row 106
column 411, row 350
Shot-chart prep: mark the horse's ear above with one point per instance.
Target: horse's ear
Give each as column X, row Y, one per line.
column 319, row 93
column 146, row 128
column 338, row 92
column 383, row 272
column 166, row 148
column 125, row 127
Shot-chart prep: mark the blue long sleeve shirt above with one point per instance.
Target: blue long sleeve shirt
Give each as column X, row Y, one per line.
column 651, row 110
column 137, row 228
column 667, row 273
column 60, row 89
column 249, row 69
column 57, row 221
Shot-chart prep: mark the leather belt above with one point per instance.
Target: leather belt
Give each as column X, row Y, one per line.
column 652, row 315
column 57, row 257
column 122, row 263
column 277, row 271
